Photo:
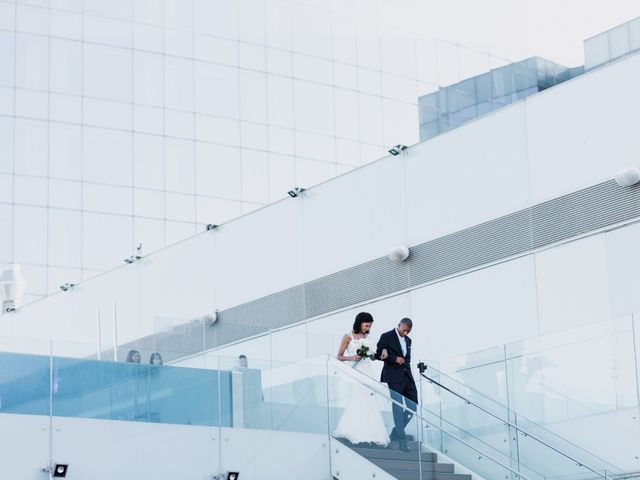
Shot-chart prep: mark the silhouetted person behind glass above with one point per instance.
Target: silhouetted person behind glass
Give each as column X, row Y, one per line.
column 243, row 362
column 155, row 359
column 133, row 356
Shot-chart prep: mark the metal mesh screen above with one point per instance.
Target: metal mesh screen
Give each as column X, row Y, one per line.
column 353, row 285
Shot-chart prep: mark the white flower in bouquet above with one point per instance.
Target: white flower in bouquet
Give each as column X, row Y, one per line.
column 365, row 348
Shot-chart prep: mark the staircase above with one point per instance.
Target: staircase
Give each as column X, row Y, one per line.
column 406, row 465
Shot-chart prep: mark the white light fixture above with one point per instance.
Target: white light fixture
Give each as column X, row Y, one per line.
column 12, row 287
column 210, row 318
column 56, row 470
column 397, row 150
column 399, row 253
column 628, row 176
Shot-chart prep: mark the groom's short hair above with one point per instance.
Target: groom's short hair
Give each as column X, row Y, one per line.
column 406, row 321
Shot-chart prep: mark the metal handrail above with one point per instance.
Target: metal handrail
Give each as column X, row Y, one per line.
column 422, row 368
column 419, row 416
column 440, row 373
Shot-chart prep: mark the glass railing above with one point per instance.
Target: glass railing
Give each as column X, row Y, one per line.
column 434, row 445
column 529, row 448
column 574, row 387
column 215, row 403
column 463, row 405
column 103, row 417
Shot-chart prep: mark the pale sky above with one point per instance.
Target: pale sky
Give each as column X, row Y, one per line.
column 494, row 33
column 556, row 28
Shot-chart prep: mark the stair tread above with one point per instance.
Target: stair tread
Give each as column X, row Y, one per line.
column 394, row 454
column 412, row 465
column 404, row 475
column 386, row 464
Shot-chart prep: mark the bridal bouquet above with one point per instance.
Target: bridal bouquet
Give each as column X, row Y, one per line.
column 365, row 348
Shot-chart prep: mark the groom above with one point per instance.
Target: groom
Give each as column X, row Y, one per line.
column 397, row 374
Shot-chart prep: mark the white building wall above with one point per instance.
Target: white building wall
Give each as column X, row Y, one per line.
column 126, row 122
column 106, row 449
column 141, row 121
column 482, row 170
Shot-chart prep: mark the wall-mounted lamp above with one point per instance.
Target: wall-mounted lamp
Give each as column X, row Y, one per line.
column 12, row 287
column 397, row 150
column 296, row 192
column 210, row 318
column 398, row 254
column 60, row 470
column 628, row 176
column 67, row 286
column 211, row 226
column 57, row 470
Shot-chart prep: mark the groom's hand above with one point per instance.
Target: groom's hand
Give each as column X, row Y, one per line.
column 400, row 360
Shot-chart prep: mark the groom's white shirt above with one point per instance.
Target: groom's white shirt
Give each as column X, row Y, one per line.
column 403, row 343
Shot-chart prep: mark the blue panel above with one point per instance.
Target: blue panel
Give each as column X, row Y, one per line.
column 24, row 384
column 143, row 393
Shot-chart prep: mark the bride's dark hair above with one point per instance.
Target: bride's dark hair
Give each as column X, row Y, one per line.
column 362, row 317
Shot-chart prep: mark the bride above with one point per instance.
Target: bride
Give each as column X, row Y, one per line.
column 361, row 421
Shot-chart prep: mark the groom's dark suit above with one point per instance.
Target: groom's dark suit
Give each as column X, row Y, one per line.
column 400, row 381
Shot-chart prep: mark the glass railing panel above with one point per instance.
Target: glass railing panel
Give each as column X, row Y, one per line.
column 138, row 392
column 320, row 343
column 279, row 413
column 289, row 344
column 434, row 398
column 575, row 373
column 428, row 431
column 24, row 383
column 293, row 395
column 529, row 448
column 476, row 427
column 178, row 283
column 114, row 418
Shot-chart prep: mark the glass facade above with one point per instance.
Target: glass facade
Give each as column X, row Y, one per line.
column 140, row 122
column 612, row 44
column 457, row 104
column 128, row 122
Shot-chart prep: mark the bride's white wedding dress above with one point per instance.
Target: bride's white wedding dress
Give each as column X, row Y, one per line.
column 361, row 420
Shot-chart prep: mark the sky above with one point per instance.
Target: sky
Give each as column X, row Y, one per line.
column 557, row 28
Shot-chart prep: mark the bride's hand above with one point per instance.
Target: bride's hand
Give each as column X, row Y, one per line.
column 357, row 358
column 384, row 355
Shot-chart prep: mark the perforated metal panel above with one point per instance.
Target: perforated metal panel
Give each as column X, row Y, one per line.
column 551, row 221
column 353, row 285
column 559, row 219
column 469, row 248
column 584, row 211
column 260, row 315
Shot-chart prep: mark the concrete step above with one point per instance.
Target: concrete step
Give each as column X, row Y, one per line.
column 392, row 453
column 411, row 465
column 405, row 475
